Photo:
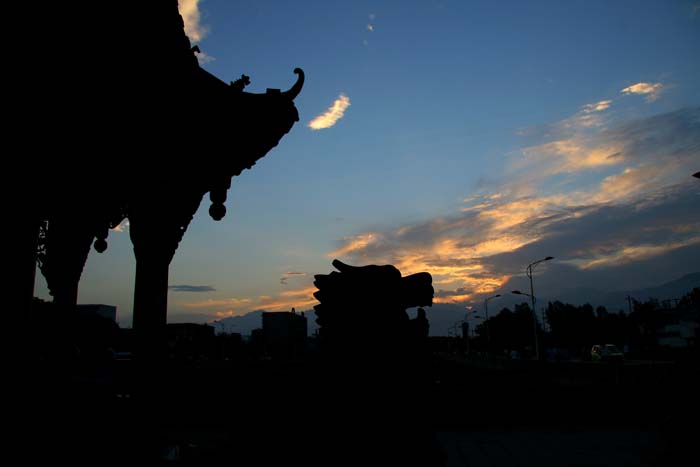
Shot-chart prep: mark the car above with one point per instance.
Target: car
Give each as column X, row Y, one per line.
column 606, row 353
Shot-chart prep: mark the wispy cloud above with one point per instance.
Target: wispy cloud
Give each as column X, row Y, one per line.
column 569, row 155
column 124, row 226
column 354, row 243
column 334, row 113
column 636, row 176
column 629, row 254
column 203, row 58
column 459, row 295
column 300, row 298
column 214, row 304
column 191, row 288
column 189, row 10
column 290, row 275
column 651, row 90
column 596, row 106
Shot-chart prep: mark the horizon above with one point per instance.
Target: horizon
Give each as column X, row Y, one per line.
column 458, row 140
column 447, row 313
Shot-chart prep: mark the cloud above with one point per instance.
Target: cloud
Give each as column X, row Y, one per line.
column 652, row 90
column 123, row 226
column 354, row 243
column 671, row 137
column 596, row 107
column 203, row 58
column 637, row 202
column 334, row 113
column 191, row 288
column 569, row 155
column 580, row 125
column 290, row 275
column 219, row 303
column 299, row 298
column 189, row 10
column 629, row 254
column 459, row 295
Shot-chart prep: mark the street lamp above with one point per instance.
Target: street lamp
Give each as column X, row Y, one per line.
column 486, row 312
column 529, row 269
column 455, row 326
column 534, row 321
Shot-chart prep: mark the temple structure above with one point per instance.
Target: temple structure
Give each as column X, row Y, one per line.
column 130, row 127
column 363, row 308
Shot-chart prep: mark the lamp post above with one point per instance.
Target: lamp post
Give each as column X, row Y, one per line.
column 534, row 321
column 486, row 313
column 529, row 269
column 471, row 313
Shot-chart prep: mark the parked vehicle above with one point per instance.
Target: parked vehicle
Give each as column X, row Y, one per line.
column 606, row 353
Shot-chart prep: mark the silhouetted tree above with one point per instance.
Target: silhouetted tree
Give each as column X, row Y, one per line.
column 509, row 329
column 570, row 326
column 691, row 300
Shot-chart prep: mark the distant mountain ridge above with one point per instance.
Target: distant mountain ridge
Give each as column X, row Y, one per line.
column 617, row 300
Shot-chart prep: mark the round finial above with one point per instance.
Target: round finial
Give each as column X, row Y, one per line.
column 100, row 245
column 217, row 211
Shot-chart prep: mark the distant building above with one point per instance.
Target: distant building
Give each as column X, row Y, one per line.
column 284, row 334
column 106, row 311
column 190, row 341
column 679, row 334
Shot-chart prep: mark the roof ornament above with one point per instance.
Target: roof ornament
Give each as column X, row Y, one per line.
column 240, row 83
column 294, row 91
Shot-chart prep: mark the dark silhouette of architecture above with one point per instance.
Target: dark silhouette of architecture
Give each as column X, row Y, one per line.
column 148, row 134
column 284, row 334
column 420, row 325
column 106, row 311
column 368, row 301
column 190, row 341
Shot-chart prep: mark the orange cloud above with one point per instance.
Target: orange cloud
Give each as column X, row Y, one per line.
column 124, row 226
column 189, row 10
column 298, row 298
column 334, row 113
column 569, row 156
column 651, row 90
column 219, row 303
column 597, row 106
column 631, row 254
column 354, row 244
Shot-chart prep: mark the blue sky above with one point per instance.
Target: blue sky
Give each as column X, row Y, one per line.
column 475, row 136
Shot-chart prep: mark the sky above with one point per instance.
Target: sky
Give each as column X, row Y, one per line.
column 462, row 138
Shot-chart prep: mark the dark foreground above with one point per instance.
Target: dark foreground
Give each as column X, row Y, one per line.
column 474, row 413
